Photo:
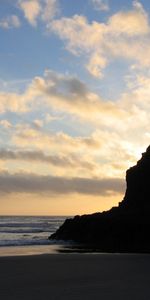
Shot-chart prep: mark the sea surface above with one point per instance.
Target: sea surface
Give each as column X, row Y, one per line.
column 23, row 235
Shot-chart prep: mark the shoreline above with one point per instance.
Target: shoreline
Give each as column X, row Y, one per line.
column 75, row 276
column 29, row 250
column 62, row 248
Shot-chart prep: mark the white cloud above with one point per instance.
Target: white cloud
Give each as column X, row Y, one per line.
column 50, row 118
column 50, row 10
column 38, row 123
column 6, row 124
column 35, row 10
column 15, row 102
column 138, row 5
column 62, row 93
column 101, row 4
column 96, row 64
column 9, row 22
column 31, row 10
column 70, row 95
column 28, row 137
column 125, row 34
column 131, row 23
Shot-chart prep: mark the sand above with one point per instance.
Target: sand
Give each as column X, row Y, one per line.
column 75, row 276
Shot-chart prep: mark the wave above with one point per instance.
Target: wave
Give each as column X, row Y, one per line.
column 19, row 231
column 14, row 224
column 11, row 230
column 24, row 242
column 9, row 243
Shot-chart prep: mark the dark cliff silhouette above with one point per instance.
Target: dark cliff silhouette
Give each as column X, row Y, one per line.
column 125, row 228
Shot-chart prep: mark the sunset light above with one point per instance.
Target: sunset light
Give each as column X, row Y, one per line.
column 74, row 103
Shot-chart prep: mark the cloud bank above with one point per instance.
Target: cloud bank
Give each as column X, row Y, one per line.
column 31, row 183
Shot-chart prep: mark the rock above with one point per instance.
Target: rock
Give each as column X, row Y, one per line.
column 125, row 228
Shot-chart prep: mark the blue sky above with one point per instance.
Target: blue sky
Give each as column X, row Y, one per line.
column 74, row 102
column 27, row 51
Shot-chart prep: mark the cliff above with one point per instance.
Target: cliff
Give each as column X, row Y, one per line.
column 125, row 228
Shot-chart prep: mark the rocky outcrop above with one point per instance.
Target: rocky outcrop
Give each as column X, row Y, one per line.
column 125, row 228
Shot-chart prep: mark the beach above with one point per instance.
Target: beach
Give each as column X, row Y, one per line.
column 75, row 276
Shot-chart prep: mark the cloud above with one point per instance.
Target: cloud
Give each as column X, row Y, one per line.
column 6, row 124
column 24, row 136
column 131, row 23
column 111, row 134
column 31, row 10
column 96, row 64
column 50, row 118
column 68, row 94
column 50, row 10
column 107, row 136
column 9, row 22
column 61, row 161
column 62, row 93
column 101, row 4
column 138, row 5
column 19, row 102
column 35, row 10
column 38, row 124
column 31, row 183
column 106, row 152
column 11, row 102
column 125, row 34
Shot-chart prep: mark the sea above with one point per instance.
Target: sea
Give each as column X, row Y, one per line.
column 26, row 235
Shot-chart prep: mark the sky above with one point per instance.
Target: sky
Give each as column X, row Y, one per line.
column 74, row 103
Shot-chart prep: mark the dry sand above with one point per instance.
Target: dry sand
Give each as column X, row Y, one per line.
column 75, row 276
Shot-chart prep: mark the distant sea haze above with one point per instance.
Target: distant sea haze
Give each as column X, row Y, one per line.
column 27, row 230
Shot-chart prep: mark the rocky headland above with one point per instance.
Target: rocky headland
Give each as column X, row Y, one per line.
column 125, row 228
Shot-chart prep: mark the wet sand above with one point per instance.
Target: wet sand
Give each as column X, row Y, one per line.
column 75, row 276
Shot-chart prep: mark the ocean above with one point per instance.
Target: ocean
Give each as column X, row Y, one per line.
column 28, row 234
